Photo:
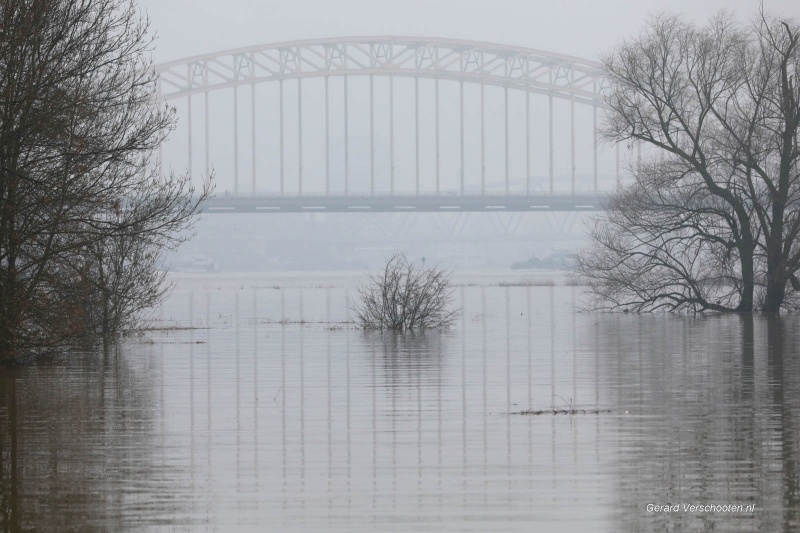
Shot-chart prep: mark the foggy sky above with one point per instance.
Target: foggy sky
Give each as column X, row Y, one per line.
column 577, row 27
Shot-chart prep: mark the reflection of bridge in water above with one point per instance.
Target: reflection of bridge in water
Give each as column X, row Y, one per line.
column 310, row 422
column 391, row 124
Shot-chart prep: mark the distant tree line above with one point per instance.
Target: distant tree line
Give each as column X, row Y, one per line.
column 711, row 220
column 84, row 216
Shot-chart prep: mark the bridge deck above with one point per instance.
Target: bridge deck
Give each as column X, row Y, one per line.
column 225, row 203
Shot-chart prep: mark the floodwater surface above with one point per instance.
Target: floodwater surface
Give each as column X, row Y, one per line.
column 257, row 406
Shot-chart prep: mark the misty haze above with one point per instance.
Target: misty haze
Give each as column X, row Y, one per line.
column 417, row 266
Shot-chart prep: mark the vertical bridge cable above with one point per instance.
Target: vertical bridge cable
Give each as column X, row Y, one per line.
column 300, row 135
column 371, row 135
column 189, row 125
column 483, row 143
column 506, row 143
column 346, row 143
column 253, row 134
column 280, row 121
column 461, row 100
column 438, row 189
column 416, row 130
column 391, row 135
column 594, row 139
column 236, row 139
column 208, row 147
column 572, row 138
column 550, row 128
column 528, row 142
column 327, row 142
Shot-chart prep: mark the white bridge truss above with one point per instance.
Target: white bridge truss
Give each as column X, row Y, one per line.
column 513, row 67
column 555, row 76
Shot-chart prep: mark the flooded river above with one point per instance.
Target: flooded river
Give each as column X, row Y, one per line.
column 257, row 406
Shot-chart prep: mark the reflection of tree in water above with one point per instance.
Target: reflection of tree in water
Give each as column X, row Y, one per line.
column 408, row 359
column 713, row 405
column 784, row 381
column 75, row 438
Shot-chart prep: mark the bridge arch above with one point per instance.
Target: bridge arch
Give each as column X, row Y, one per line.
column 559, row 75
column 573, row 81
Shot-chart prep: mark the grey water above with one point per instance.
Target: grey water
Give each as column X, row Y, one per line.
column 256, row 406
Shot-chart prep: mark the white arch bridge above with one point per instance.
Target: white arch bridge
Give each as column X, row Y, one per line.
column 391, row 124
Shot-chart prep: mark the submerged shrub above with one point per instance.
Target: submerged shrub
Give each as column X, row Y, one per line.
column 405, row 296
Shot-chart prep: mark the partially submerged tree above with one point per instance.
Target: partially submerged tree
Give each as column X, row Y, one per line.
column 406, row 296
column 665, row 243
column 83, row 214
column 711, row 222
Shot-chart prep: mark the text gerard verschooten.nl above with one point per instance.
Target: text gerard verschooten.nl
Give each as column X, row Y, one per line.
column 699, row 508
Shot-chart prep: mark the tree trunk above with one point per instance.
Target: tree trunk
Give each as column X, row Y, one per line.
column 776, row 279
column 748, row 275
column 776, row 266
column 9, row 342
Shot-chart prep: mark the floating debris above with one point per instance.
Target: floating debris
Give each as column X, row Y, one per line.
column 562, row 412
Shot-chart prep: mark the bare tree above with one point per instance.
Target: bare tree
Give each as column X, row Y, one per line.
column 79, row 123
column 665, row 243
column 125, row 267
column 711, row 221
column 406, row 297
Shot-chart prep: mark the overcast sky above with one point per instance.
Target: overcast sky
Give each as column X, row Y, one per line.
column 577, row 27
